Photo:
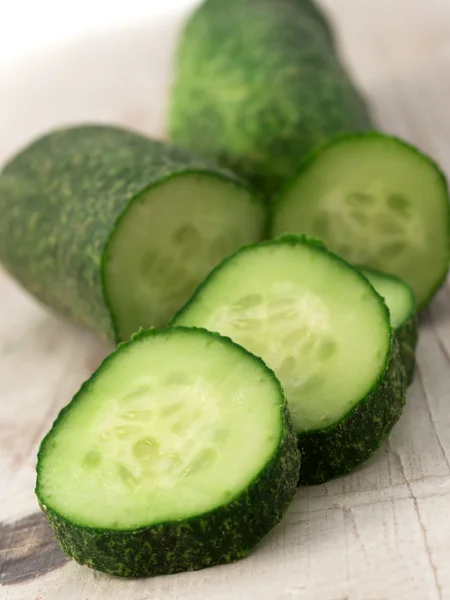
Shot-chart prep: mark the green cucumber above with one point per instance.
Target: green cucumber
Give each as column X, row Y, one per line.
column 177, row 454
column 377, row 202
column 311, row 9
column 320, row 325
column 401, row 303
column 258, row 86
column 115, row 230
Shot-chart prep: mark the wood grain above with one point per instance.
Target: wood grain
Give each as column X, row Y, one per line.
column 28, row 549
column 382, row 533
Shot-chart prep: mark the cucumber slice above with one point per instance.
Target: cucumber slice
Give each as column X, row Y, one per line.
column 115, row 230
column 377, row 202
column 320, row 325
column 143, row 472
column 398, row 296
column 400, row 300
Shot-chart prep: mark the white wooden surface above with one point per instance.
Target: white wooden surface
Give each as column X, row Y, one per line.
column 382, row 533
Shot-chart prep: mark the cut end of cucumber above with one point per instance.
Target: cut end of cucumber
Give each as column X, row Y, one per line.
column 169, row 240
column 377, row 202
column 160, row 432
column 311, row 317
column 398, row 296
column 401, row 303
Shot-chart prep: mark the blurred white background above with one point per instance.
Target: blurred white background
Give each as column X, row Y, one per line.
column 104, row 61
column 29, row 25
column 111, row 61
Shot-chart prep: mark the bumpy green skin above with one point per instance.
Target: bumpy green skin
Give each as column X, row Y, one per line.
column 259, row 85
column 223, row 535
column 339, row 449
column 60, row 200
column 310, row 8
column 408, row 336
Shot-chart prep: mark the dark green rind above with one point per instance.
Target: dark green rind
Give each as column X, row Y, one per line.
column 258, row 86
column 221, row 536
column 408, row 336
column 339, row 449
column 315, row 154
column 60, row 201
column 310, row 8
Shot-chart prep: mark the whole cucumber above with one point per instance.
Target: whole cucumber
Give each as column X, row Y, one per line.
column 259, row 85
column 115, row 230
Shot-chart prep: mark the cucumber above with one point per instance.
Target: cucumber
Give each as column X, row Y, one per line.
column 320, row 325
column 400, row 300
column 376, row 201
column 311, row 9
column 258, row 85
column 177, row 454
column 115, row 230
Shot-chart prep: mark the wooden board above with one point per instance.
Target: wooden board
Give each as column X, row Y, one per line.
column 382, row 533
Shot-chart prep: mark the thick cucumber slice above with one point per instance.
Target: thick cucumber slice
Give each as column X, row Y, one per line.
column 176, row 455
column 115, row 230
column 319, row 324
column 398, row 296
column 400, row 300
column 377, row 202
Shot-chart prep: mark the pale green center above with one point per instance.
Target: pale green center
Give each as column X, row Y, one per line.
column 397, row 295
column 369, row 227
column 169, row 240
column 313, row 319
column 173, row 426
column 376, row 203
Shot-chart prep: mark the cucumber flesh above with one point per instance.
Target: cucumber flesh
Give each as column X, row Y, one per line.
column 318, row 322
column 377, row 202
column 401, row 303
column 313, row 319
column 398, row 296
column 149, row 454
column 164, row 430
column 168, row 240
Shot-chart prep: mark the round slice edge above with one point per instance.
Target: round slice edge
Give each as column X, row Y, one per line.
column 320, row 325
column 377, row 202
column 156, row 483
column 400, row 300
